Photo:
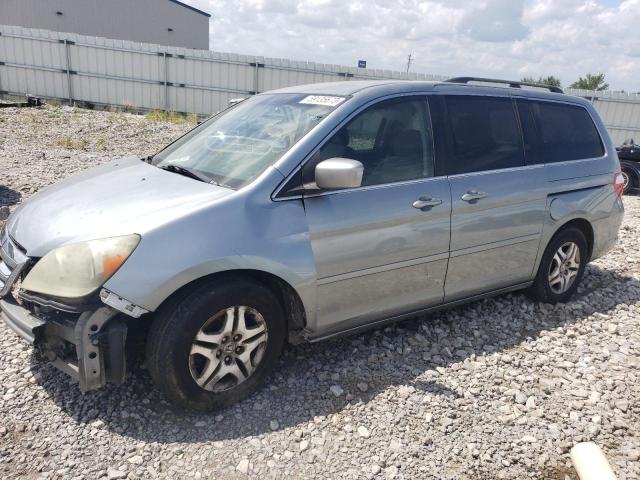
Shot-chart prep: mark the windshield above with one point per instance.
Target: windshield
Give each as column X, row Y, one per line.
column 236, row 146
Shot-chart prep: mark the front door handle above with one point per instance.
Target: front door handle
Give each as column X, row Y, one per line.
column 426, row 201
column 472, row 195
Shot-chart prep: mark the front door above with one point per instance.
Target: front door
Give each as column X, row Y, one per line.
column 381, row 249
column 498, row 203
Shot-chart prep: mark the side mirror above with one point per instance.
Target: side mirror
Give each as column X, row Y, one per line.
column 339, row 173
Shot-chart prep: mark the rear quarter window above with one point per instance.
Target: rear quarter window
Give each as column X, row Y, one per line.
column 556, row 132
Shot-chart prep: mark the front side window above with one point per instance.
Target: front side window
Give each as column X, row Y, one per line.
column 392, row 139
column 484, row 134
column 557, row 132
column 233, row 148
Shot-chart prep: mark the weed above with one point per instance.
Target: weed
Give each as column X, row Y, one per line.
column 171, row 117
column 156, row 116
column 68, row 143
column 129, row 106
column 118, row 118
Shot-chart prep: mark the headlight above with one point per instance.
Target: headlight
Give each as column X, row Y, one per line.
column 76, row 270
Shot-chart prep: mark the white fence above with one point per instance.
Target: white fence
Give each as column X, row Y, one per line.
column 117, row 72
column 145, row 76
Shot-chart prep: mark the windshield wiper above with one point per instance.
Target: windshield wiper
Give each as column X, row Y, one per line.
column 188, row 172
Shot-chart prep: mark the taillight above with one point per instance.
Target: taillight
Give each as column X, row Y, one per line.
column 618, row 183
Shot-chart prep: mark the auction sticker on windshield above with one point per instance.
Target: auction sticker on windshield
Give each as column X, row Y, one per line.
column 326, row 100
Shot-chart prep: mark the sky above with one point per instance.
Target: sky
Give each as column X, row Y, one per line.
column 492, row 38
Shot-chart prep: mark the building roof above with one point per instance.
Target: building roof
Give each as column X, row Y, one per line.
column 191, row 8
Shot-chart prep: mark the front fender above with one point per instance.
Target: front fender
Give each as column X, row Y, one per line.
column 302, row 282
column 243, row 234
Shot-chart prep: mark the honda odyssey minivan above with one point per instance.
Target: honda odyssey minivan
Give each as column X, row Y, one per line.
column 304, row 213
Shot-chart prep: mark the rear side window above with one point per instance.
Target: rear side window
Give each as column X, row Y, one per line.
column 556, row 132
column 484, row 134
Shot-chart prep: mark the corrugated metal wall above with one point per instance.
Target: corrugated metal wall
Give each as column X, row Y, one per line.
column 154, row 21
column 146, row 76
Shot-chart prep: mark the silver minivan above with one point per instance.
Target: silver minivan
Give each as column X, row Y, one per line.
column 305, row 213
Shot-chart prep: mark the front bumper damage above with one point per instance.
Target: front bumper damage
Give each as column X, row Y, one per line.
column 86, row 341
column 89, row 346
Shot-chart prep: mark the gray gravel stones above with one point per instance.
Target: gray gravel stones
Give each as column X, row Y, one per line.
column 336, row 390
column 113, row 474
column 243, row 466
column 499, row 389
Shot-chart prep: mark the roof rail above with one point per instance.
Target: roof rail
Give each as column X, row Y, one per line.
column 511, row 83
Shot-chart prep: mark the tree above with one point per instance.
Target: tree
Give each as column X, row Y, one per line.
column 550, row 80
column 591, row 82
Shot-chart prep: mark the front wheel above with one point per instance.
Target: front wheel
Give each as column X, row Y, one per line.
column 215, row 345
column 561, row 268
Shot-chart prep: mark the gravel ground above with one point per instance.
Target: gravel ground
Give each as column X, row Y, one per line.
column 501, row 388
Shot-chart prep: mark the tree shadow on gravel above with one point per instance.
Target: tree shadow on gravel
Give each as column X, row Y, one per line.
column 384, row 358
column 8, row 196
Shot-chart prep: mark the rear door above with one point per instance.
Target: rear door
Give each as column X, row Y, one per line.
column 380, row 249
column 498, row 203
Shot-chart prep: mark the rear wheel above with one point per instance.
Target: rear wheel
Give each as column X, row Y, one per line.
column 561, row 268
column 214, row 346
column 630, row 181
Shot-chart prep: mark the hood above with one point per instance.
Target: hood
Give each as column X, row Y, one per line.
column 119, row 198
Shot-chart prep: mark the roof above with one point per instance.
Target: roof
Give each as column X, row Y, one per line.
column 191, row 8
column 383, row 87
column 350, row 87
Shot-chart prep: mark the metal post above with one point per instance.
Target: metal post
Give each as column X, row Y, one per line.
column 256, row 79
column 166, row 82
column 1, row 63
column 67, row 47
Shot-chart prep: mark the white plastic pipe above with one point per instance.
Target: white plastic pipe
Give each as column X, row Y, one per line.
column 590, row 462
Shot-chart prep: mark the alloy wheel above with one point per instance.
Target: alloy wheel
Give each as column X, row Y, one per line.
column 228, row 348
column 564, row 267
column 626, row 179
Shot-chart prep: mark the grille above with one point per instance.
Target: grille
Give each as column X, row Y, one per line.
column 12, row 261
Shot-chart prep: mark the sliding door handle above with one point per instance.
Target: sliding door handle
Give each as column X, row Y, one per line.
column 426, row 201
column 473, row 195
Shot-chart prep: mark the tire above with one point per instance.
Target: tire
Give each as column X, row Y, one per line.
column 630, row 181
column 548, row 291
column 174, row 355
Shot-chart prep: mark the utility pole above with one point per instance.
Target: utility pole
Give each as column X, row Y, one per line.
column 409, row 60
